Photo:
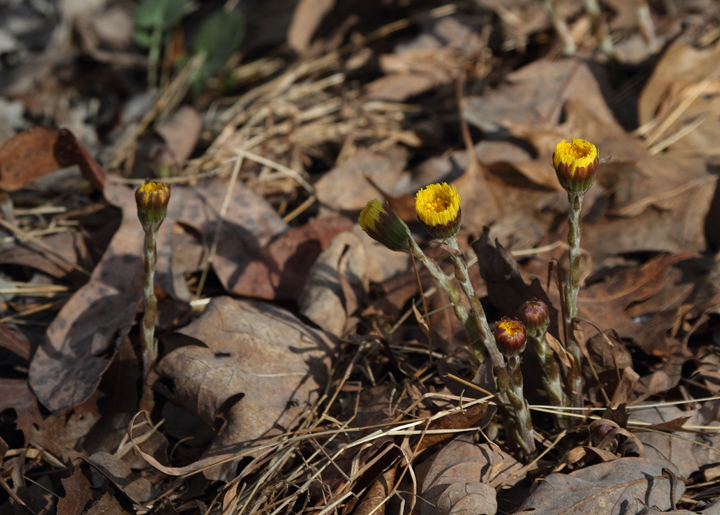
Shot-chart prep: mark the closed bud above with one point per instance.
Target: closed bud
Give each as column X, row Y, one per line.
column 510, row 336
column 535, row 315
column 383, row 225
column 438, row 209
column 152, row 200
column 576, row 165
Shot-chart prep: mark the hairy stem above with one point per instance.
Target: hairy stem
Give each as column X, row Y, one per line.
column 458, row 306
column 147, row 328
column 552, row 381
column 523, row 422
column 570, row 311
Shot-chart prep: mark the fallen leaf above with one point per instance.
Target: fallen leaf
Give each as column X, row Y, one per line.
column 324, row 299
column 14, row 341
column 280, row 270
column 306, row 19
column 70, row 245
column 610, row 358
column 465, row 468
column 249, row 225
column 82, row 339
column 535, row 95
column 77, row 494
column 607, row 488
column 374, row 500
column 260, row 370
column 344, row 188
column 107, row 505
column 138, row 489
column 39, row 151
column 690, row 452
column 606, row 303
column 181, row 132
column 15, row 394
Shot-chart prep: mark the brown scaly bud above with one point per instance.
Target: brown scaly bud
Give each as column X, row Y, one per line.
column 152, row 200
column 535, row 315
column 511, row 336
column 576, row 165
column 383, row 225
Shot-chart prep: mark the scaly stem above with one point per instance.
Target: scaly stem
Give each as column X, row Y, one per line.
column 147, row 328
column 509, row 388
column 477, row 313
column 523, row 422
column 552, row 382
column 458, row 306
column 575, row 379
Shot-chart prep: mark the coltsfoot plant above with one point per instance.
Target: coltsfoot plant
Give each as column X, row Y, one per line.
column 576, row 165
column 438, row 209
column 152, row 200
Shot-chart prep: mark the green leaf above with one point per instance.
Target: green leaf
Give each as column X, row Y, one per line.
column 166, row 13
column 142, row 38
column 219, row 37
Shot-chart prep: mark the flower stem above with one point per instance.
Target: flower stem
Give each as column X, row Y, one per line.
column 552, row 382
column 524, row 437
column 147, row 328
column 575, row 379
column 458, row 306
column 477, row 313
column 509, row 379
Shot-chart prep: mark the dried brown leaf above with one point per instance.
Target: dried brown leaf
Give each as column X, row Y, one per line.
column 607, row 488
column 107, row 505
column 374, row 501
column 325, row 299
column 39, row 151
column 14, row 341
column 260, row 370
column 80, row 343
column 137, row 488
column 690, row 452
column 344, row 188
column 77, row 494
column 15, row 394
column 306, row 19
column 460, row 467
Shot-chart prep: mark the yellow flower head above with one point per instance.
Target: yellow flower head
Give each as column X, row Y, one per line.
column 383, row 225
column 152, row 200
column 438, row 208
column 576, row 164
column 510, row 336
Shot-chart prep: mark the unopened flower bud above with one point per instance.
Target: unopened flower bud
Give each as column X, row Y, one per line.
column 383, row 225
column 510, row 336
column 438, row 209
column 535, row 315
column 576, row 164
column 152, row 200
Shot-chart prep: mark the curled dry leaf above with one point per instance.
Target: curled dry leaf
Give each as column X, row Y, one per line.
column 335, row 282
column 607, row 488
column 39, row 151
column 259, row 371
column 462, row 475
column 82, row 339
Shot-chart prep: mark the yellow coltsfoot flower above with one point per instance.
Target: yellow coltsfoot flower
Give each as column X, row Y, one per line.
column 438, row 209
column 383, row 225
column 576, row 164
column 152, row 200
